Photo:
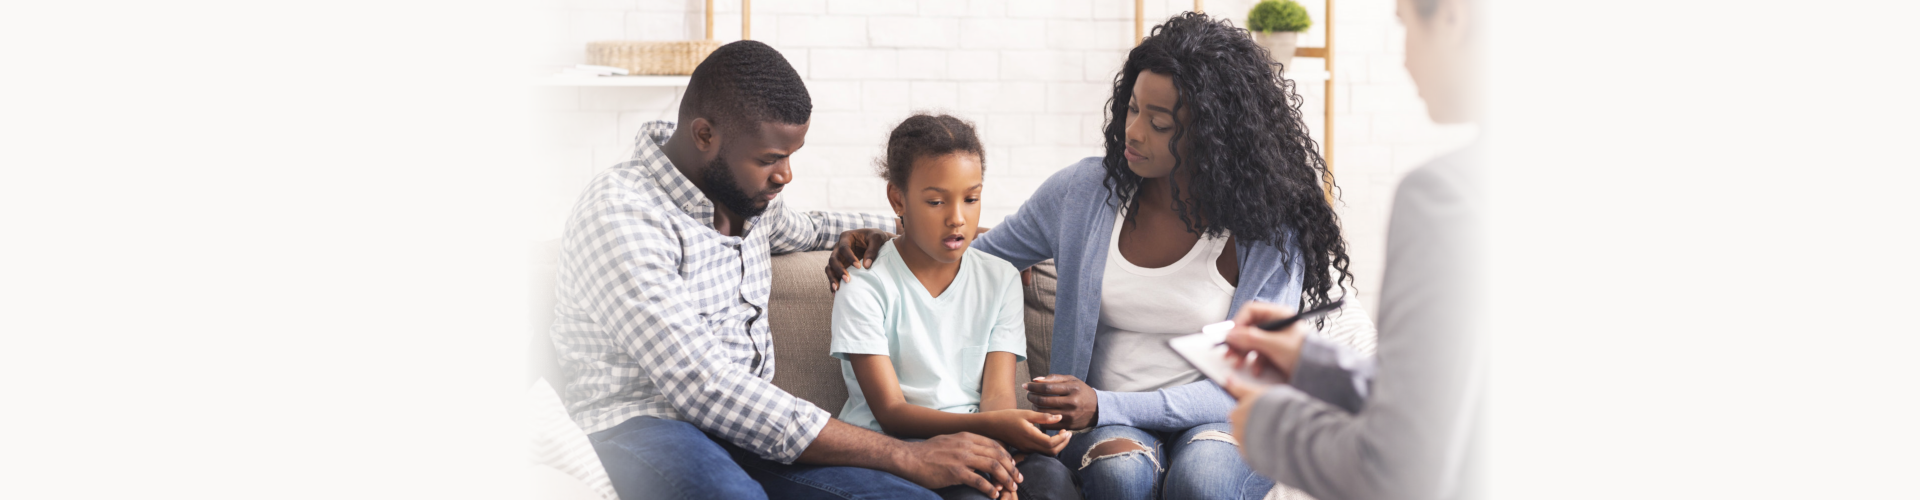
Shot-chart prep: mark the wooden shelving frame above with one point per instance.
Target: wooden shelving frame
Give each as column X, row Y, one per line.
column 746, row 19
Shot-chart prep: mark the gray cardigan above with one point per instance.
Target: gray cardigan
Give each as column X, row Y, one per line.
column 1408, row 427
column 1069, row 219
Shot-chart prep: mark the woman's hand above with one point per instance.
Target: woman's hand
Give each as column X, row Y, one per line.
column 856, row 247
column 1278, row 350
column 1066, row 396
column 1020, row 429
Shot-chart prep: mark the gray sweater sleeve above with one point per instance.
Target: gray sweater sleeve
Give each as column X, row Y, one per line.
column 1410, row 433
column 1334, row 374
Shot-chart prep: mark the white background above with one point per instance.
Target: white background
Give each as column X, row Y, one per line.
column 279, row 249
column 1034, row 77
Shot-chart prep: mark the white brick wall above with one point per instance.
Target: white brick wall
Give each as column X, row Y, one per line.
column 1033, row 75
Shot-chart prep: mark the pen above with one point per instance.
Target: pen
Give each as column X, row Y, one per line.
column 1283, row 323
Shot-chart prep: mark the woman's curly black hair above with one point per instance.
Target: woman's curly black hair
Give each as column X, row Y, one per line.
column 1255, row 172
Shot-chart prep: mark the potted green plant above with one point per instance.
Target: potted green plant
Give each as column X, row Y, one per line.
column 1276, row 25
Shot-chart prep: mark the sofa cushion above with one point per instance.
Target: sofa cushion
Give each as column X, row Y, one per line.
column 1040, row 318
column 800, row 315
column 564, row 463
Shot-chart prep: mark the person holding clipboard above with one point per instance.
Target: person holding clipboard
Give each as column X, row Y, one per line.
column 1406, row 423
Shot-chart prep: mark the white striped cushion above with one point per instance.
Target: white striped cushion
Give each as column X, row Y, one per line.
column 558, row 443
column 1351, row 326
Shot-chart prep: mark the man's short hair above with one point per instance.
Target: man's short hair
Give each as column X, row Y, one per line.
column 745, row 83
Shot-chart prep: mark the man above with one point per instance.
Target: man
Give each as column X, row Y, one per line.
column 1409, row 427
column 660, row 319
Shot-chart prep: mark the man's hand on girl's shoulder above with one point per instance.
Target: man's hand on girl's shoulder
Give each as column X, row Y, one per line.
column 856, row 248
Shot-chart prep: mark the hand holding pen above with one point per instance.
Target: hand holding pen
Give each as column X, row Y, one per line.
column 1274, row 333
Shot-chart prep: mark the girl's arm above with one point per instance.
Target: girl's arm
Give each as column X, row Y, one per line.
column 996, row 384
column 1006, row 345
column 881, row 386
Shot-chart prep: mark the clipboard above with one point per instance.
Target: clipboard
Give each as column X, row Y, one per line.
column 1204, row 351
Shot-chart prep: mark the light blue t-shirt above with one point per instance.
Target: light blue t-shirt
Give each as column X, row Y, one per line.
column 938, row 345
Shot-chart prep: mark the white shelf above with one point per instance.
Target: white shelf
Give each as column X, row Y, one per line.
column 614, row 81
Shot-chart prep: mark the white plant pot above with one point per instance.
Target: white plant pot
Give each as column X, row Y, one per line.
column 1280, row 45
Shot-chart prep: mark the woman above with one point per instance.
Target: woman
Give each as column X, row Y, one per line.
column 1210, row 195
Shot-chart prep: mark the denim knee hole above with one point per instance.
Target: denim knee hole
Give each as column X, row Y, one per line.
column 1089, row 459
column 1214, row 436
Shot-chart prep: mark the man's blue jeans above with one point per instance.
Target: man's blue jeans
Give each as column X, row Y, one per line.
column 651, row 458
column 1199, row 463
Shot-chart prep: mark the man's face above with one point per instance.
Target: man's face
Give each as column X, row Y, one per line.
column 752, row 166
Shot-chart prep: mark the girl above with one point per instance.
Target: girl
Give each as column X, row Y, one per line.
column 929, row 334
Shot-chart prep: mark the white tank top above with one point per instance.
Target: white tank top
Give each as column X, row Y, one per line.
column 1140, row 308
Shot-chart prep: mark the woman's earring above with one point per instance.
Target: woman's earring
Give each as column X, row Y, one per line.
column 899, row 223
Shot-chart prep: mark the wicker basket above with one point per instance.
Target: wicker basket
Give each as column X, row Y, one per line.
column 651, row 58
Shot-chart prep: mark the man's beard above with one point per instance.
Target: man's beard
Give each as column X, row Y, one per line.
column 726, row 191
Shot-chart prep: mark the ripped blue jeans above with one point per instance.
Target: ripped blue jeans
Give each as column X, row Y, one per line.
column 1202, row 462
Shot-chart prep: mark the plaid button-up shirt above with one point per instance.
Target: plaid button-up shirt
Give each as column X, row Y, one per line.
column 660, row 315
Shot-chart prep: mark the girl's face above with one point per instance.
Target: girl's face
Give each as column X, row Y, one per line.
column 1150, row 123
column 940, row 205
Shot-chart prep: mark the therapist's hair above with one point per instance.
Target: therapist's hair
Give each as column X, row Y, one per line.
column 1425, row 8
column 1255, row 172
column 743, row 84
column 923, row 135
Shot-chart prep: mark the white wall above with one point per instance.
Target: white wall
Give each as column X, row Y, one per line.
column 1033, row 75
